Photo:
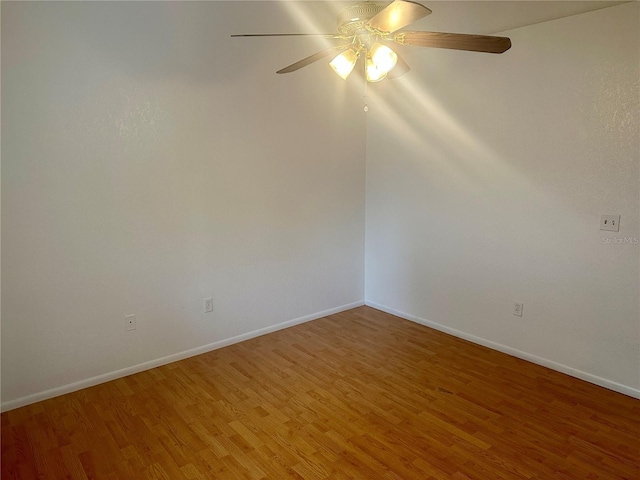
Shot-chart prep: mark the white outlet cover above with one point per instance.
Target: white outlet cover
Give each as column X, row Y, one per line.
column 517, row 309
column 208, row 305
column 610, row 223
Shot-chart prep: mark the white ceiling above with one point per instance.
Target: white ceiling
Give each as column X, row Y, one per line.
column 481, row 17
column 485, row 17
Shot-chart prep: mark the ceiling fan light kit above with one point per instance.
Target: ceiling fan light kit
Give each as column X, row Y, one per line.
column 344, row 63
column 383, row 57
column 372, row 72
column 368, row 27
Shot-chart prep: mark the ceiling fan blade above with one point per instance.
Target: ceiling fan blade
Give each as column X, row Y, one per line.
column 397, row 15
column 326, row 35
column 455, row 41
column 400, row 69
column 312, row 58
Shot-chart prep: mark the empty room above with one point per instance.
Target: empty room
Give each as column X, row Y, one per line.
column 320, row 240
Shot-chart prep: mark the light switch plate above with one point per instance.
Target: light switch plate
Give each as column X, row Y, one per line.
column 610, row 223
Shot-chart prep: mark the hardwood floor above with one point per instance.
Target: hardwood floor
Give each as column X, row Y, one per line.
column 357, row 395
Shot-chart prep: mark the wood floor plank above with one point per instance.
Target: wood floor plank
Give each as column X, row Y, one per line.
column 357, row 395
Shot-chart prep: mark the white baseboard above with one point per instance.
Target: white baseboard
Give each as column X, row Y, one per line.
column 587, row 377
column 90, row 382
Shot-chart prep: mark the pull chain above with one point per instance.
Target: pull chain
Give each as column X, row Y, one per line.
column 366, row 86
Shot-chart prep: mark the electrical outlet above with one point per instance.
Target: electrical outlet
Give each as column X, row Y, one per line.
column 517, row 309
column 130, row 322
column 208, row 305
column 610, row 223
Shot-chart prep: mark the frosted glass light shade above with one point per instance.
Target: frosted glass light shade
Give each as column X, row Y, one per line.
column 343, row 63
column 372, row 72
column 383, row 57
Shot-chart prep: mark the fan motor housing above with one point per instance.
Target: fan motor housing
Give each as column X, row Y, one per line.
column 352, row 19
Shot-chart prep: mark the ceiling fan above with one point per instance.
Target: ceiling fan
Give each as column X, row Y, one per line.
column 369, row 29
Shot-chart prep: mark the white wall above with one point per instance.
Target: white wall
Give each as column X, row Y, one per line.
column 150, row 161
column 486, row 178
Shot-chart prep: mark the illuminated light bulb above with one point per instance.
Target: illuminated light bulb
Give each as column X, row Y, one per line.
column 383, row 57
column 372, row 72
column 343, row 64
